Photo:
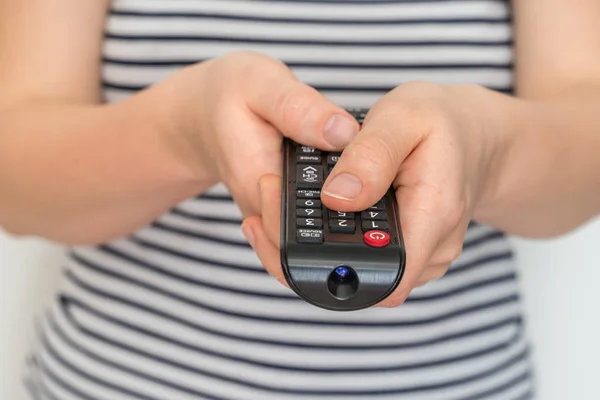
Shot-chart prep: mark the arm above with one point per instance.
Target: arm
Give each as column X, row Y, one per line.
column 71, row 169
column 76, row 171
column 529, row 165
column 549, row 177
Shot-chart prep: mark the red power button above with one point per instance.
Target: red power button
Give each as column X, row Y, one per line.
column 377, row 238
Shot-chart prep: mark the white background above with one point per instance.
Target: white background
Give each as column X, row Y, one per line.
column 560, row 279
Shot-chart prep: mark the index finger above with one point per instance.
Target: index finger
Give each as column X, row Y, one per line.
column 297, row 110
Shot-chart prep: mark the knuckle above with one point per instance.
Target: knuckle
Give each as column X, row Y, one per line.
column 433, row 273
column 439, row 271
column 450, row 253
column 293, row 106
column 423, row 103
column 246, row 64
column 395, row 300
column 376, row 154
column 243, row 57
column 454, row 214
column 423, row 89
column 453, row 254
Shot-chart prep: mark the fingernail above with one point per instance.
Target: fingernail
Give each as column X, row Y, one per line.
column 247, row 231
column 339, row 131
column 344, row 186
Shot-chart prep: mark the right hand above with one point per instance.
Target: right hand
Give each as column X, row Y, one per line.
column 231, row 113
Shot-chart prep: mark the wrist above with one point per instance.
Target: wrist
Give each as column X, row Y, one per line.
column 499, row 122
column 523, row 168
column 150, row 112
column 172, row 111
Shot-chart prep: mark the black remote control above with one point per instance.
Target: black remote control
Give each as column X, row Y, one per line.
column 339, row 261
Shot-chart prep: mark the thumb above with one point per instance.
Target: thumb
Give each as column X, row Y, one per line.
column 368, row 166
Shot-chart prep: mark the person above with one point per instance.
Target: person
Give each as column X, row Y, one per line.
column 145, row 134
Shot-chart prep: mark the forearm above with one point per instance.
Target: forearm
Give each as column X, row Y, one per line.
column 83, row 174
column 547, row 178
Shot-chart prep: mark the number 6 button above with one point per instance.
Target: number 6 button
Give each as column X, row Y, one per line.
column 308, row 212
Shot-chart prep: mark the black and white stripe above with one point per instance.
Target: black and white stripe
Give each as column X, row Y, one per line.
column 183, row 309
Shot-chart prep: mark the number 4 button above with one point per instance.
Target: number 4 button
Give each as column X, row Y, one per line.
column 374, row 215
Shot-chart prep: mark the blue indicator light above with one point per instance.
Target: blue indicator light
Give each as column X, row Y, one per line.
column 342, row 272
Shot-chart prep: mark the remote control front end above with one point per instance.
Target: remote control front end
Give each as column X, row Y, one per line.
column 339, row 261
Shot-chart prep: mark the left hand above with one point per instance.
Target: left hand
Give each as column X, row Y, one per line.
column 429, row 142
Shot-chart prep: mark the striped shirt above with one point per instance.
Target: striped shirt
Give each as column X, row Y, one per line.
column 182, row 309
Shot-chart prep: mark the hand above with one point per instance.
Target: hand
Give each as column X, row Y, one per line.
column 429, row 143
column 233, row 118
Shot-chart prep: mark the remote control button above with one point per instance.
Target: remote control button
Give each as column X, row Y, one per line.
column 376, row 238
column 373, row 215
column 309, row 223
column 308, row 159
column 380, row 205
column 309, row 176
column 342, row 225
column 375, row 225
column 308, row 150
column 309, row 236
column 340, row 215
column 308, row 212
column 332, row 159
column 308, row 194
column 308, row 203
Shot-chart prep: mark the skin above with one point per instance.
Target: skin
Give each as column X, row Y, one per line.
column 77, row 171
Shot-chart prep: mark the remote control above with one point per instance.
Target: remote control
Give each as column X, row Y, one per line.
column 339, row 261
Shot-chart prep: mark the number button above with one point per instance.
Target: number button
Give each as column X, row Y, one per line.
column 342, row 226
column 309, row 223
column 373, row 215
column 308, row 203
column 375, row 225
column 341, row 215
column 308, row 212
column 309, row 236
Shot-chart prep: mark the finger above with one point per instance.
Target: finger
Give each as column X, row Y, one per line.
column 266, row 251
column 451, row 246
column 446, row 252
column 297, row 110
column 270, row 188
column 422, row 231
column 432, row 272
column 370, row 163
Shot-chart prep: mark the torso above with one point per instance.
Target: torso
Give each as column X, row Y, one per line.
column 183, row 309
